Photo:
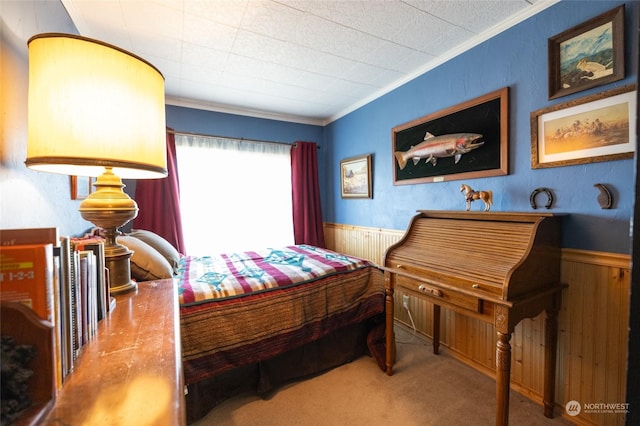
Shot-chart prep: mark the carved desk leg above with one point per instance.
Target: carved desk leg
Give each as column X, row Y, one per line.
column 436, row 329
column 503, row 375
column 550, row 343
column 389, row 332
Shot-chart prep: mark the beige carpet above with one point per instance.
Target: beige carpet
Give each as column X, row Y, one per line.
column 425, row 389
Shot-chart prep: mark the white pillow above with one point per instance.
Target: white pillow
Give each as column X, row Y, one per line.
column 147, row 263
column 163, row 246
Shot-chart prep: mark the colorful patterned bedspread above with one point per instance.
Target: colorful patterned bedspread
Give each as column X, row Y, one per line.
column 233, row 275
column 240, row 309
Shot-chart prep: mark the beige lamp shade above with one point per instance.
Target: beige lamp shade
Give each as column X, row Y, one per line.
column 92, row 105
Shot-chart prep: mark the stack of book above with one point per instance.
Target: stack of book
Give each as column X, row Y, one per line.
column 64, row 280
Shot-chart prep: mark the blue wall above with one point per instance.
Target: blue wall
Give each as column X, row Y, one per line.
column 236, row 126
column 516, row 58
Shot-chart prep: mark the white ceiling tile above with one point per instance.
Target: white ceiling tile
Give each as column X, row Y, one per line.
column 243, row 65
column 228, row 12
column 354, row 89
column 199, row 56
column 365, row 74
column 201, row 74
column 152, row 20
column 205, row 32
column 271, row 18
column 319, row 34
column 287, row 54
column 147, row 48
column 305, row 58
column 93, row 17
column 170, row 68
column 475, row 16
column 381, row 18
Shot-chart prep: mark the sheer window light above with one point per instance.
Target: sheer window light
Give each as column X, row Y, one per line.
column 234, row 195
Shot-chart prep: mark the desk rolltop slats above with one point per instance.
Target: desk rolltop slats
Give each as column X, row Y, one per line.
column 497, row 255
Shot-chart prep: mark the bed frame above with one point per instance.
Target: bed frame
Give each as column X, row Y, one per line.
column 265, row 377
column 255, row 342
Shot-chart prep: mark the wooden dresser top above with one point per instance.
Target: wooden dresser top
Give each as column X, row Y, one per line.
column 131, row 373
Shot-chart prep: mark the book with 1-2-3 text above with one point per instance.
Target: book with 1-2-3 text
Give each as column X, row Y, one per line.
column 26, row 276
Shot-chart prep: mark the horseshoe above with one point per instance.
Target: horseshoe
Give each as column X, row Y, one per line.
column 532, row 198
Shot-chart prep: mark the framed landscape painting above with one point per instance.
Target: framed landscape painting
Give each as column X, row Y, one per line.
column 355, row 177
column 596, row 128
column 588, row 55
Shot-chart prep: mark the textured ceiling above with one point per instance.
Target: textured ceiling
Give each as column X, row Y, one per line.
column 306, row 61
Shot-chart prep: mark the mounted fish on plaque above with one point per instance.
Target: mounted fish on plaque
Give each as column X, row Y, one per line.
column 469, row 140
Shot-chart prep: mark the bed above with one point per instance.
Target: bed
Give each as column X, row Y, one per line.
column 253, row 321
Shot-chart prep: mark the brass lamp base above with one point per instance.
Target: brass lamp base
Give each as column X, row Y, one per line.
column 109, row 208
column 117, row 261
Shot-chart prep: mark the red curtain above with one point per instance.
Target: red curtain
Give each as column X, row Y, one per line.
column 307, row 211
column 159, row 202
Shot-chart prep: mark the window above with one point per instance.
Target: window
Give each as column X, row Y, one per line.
column 235, row 195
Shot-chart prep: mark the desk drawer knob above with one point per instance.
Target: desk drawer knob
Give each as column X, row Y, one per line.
column 476, row 286
column 431, row 291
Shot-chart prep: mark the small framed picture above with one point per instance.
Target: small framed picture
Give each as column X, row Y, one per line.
column 355, row 177
column 596, row 128
column 81, row 187
column 588, row 55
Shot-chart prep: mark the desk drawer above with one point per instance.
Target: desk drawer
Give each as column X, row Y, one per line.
column 440, row 296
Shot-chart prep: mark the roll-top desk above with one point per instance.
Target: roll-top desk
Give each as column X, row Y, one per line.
column 497, row 267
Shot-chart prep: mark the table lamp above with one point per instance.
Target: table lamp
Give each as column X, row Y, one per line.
column 97, row 110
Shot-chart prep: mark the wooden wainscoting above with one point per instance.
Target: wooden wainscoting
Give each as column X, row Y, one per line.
column 592, row 337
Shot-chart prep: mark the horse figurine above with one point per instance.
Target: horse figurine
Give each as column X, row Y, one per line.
column 471, row 195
